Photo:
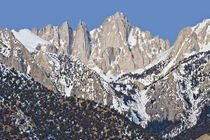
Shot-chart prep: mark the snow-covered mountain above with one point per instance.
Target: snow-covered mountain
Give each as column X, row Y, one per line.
column 164, row 89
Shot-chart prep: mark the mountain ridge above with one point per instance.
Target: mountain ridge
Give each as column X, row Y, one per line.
column 142, row 77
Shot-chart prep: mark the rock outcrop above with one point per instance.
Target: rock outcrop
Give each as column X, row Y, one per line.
column 191, row 40
column 82, row 43
column 61, row 37
column 14, row 54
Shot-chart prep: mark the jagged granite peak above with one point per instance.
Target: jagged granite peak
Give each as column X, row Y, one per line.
column 66, row 37
column 115, row 30
column 50, row 33
column 176, row 74
column 60, row 37
column 35, row 31
column 119, row 15
column 144, row 47
column 119, row 23
column 108, row 48
column 61, row 74
column 82, row 44
column 117, row 43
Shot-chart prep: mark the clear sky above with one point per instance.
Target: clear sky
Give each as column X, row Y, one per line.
column 161, row 17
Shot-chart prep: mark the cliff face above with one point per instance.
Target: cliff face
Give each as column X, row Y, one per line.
column 110, row 47
column 117, row 43
column 60, row 37
column 14, row 54
column 192, row 39
column 82, row 43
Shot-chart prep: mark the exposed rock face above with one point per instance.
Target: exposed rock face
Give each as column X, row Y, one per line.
column 14, row 54
column 117, row 43
column 145, row 48
column 111, row 47
column 204, row 137
column 81, row 45
column 113, row 33
column 192, row 39
column 61, row 37
column 66, row 37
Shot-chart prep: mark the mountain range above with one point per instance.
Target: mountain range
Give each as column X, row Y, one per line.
column 116, row 69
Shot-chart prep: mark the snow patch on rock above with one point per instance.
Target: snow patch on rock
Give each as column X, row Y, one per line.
column 29, row 39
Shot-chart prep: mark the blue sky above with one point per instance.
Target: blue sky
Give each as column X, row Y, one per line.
column 161, row 17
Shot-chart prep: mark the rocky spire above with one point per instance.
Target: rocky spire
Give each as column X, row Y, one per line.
column 35, row 31
column 81, row 45
column 61, row 37
column 120, row 19
column 66, row 37
column 50, row 33
column 117, row 43
column 110, row 47
column 116, row 29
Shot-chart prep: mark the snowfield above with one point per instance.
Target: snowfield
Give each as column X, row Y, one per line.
column 29, row 39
